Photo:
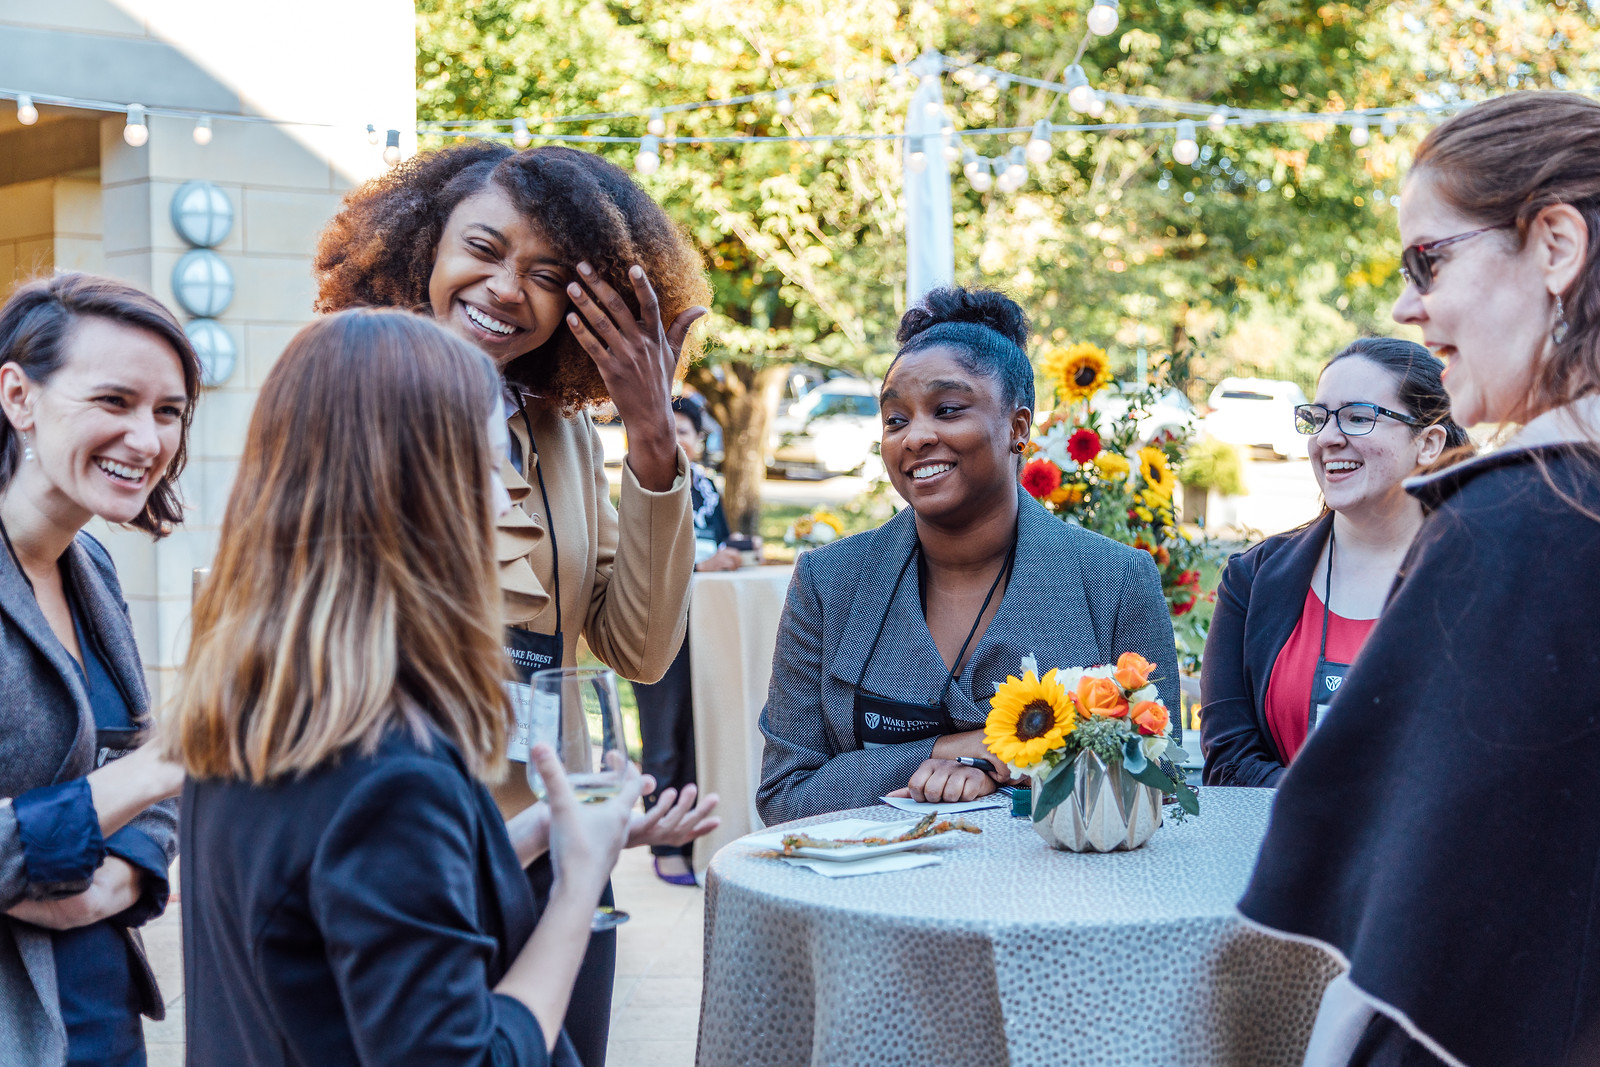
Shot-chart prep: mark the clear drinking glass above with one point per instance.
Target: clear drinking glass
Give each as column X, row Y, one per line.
column 575, row 711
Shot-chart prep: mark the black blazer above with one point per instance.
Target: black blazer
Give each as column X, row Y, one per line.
column 1259, row 603
column 359, row 914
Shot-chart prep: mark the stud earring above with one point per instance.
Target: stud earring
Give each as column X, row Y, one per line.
column 1559, row 332
column 1018, row 447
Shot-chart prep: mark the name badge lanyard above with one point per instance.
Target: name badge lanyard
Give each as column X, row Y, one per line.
column 1329, row 676
column 881, row 720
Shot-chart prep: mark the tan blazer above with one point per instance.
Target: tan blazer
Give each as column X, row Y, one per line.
column 625, row 571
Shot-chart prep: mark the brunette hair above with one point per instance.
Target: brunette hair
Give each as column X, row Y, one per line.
column 35, row 325
column 354, row 589
column 379, row 249
column 1419, row 381
column 1504, row 161
column 986, row 329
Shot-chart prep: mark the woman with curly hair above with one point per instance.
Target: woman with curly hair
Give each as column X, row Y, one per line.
column 581, row 290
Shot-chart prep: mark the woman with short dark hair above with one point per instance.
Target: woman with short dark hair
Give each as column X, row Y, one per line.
column 892, row 641
column 97, row 387
column 1435, row 834
column 1293, row 611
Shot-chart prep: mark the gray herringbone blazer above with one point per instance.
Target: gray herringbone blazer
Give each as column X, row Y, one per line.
column 47, row 735
column 1075, row 599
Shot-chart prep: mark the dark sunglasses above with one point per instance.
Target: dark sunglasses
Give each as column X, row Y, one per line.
column 1416, row 262
column 1353, row 420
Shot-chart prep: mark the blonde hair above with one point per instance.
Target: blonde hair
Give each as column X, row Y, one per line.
column 354, row 589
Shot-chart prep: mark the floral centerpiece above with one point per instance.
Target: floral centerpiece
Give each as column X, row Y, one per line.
column 813, row 530
column 1097, row 472
column 1096, row 741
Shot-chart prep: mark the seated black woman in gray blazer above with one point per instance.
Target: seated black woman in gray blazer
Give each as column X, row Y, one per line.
column 892, row 641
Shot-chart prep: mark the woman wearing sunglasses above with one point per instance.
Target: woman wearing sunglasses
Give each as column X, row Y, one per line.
column 1294, row 610
column 1435, row 834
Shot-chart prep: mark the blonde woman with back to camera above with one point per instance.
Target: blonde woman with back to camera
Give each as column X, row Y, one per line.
column 1435, row 834
column 353, row 894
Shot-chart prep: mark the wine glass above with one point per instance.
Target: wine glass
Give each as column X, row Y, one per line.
column 575, row 711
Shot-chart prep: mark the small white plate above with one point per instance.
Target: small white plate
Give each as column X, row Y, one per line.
column 847, row 828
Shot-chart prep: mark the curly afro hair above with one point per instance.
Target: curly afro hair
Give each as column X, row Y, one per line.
column 379, row 249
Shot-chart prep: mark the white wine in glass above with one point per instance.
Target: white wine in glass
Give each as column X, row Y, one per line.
column 582, row 705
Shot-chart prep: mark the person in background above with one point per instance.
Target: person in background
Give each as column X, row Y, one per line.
column 352, row 893
column 581, row 290
column 1293, row 611
column 666, row 708
column 97, row 384
column 892, row 641
column 1435, row 833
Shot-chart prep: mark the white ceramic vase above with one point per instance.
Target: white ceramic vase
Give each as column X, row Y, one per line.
column 1107, row 812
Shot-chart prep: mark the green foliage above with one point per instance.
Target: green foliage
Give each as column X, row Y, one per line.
column 1213, row 464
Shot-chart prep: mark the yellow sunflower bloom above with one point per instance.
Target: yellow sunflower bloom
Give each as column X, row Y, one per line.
column 1111, row 465
column 1080, row 371
column 1156, row 472
column 829, row 519
column 1028, row 717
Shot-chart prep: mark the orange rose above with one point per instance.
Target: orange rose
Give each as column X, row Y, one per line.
column 1100, row 696
column 1133, row 671
column 1151, row 718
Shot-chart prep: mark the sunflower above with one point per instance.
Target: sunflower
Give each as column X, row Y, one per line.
column 1156, row 472
column 1028, row 717
column 1080, row 371
column 1112, row 465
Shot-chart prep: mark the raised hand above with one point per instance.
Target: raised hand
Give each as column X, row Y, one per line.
column 637, row 358
column 675, row 820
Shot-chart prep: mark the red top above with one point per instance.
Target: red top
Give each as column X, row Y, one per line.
column 1289, row 691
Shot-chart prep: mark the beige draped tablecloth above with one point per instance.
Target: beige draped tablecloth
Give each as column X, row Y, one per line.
column 1008, row 953
column 733, row 629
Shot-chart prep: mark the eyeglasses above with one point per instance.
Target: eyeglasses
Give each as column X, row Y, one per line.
column 1353, row 420
column 1416, row 262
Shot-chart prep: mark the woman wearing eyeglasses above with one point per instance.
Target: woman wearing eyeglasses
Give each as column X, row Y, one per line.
column 1437, row 835
column 1294, row 610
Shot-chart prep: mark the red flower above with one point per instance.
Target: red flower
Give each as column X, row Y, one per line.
column 1184, row 608
column 1083, row 445
column 1041, row 478
column 1189, row 578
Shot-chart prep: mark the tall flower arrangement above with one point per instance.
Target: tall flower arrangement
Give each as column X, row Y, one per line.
column 1096, row 471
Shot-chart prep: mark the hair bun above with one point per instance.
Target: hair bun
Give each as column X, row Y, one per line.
column 983, row 307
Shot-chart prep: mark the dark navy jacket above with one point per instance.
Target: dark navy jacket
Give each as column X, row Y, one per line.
column 360, row 914
column 1259, row 602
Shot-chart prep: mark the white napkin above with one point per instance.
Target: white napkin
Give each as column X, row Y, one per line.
column 921, row 807
column 894, row 861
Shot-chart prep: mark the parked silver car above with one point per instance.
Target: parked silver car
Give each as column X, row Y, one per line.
column 833, row 429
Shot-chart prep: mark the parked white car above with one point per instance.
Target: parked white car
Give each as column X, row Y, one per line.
column 833, row 429
column 1171, row 414
column 1257, row 413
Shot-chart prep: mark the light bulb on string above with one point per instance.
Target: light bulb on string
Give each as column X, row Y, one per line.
column 1186, row 149
column 1039, row 147
column 916, row 156
column 897, row 80
column 519, row 133
column 1359, row 134
column 657, row 124
column 933, row 108
column 1103, row 17
column 982, row 78
column 784, row 106
column 970, row 164
column 137, row 130
column 1002, row 82
column 648, row 159
column 202, row 130
column 1218, row 120
column 981, row 176
column 1388, row 127
column 1016, row 170
column 373, row 136
column 27, row 114
column 391, row 147
column 1097, row 106
column 1079, row 94
column 952, row 147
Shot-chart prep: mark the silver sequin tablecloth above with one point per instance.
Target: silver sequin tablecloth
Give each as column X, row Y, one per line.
column 1008, row 953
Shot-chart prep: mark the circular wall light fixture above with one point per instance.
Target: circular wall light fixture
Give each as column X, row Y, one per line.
column 202, row 283
column 202, row 214
column 214, row 345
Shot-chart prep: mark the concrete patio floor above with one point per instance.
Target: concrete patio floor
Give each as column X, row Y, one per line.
column 656, row 1007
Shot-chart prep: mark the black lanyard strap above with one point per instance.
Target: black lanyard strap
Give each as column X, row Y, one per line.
column 954, row 673
column 544, row 495
column 1327, row 598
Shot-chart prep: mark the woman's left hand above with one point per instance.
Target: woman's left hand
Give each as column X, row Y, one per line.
column 724, row 559
column 637, row 359
column 942, row 781
column 675, row 820
column 116, row 888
